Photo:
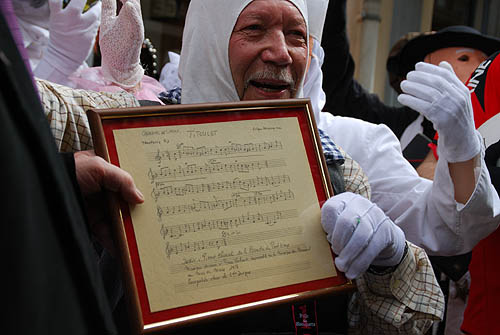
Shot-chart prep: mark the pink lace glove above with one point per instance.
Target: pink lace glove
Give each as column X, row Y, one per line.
column 120, row 41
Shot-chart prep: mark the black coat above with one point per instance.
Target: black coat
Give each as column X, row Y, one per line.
column 52, row 283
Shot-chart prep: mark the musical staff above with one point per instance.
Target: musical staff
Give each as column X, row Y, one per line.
column 162, row 189
column 212, row 168
column 194, row 246
column 207, row 151
column 224, row 204
column 269, row 218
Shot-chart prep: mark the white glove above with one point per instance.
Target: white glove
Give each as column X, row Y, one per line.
column 72, row 36
column 438, row 94
column 120, row 40
column 360, row 234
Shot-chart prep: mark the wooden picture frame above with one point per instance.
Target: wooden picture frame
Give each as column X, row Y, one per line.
column 231, row 218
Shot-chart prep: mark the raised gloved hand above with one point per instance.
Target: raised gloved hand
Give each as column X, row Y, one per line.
column 360, row 234
column 120, row 41
column 438, row 94
column 72, row 36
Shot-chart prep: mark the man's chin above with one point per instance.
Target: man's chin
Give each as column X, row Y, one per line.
column 255, row 93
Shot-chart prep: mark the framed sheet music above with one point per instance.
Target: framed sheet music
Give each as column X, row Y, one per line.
column 231, row 218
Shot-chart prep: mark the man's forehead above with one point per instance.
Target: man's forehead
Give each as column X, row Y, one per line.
column 262, row 9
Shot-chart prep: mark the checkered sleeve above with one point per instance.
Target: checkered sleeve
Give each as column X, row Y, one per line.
column 355, row 179
column 406, row 301
column 65, row 109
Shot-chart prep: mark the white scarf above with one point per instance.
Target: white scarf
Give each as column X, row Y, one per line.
column 204, row 65
column 313, row 84
column 316, row 11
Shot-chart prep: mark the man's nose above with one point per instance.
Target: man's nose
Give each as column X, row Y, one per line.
column 277, row 50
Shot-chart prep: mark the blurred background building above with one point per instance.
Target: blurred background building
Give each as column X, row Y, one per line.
column 375, row 25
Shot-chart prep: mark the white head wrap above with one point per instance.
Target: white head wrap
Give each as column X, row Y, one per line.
column 316, row 11
column 313, row 84
column 169, row 76
column 204, row 66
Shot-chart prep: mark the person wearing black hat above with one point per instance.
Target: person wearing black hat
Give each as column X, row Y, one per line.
column 467, row 50
column 461, row 46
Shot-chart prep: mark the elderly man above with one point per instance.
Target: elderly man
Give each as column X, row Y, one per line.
column 251, row 50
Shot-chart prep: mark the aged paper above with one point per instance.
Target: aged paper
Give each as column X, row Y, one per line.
column 230, row 209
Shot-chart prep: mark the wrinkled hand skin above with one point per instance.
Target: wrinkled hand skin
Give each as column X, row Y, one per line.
column 94, row 176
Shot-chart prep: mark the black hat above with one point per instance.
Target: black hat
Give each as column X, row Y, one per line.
column 454, row 36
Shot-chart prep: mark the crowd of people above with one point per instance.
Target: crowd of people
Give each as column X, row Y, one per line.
column 387, row 223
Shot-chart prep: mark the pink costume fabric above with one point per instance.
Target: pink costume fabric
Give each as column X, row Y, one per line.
column 93, row 79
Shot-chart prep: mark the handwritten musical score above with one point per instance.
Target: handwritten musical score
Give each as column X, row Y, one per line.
column 165, row 189
column 212, row 167
column 269, row 219
column 230, row 208
column 183, row 151
column 184, row 247
column 236, row 201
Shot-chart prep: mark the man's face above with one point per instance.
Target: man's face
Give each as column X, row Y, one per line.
column 268, row 50
column 463, row 60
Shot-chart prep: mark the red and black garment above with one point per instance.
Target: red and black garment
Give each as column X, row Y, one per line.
column 481, row 314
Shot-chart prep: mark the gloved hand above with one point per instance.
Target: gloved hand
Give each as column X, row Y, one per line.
column 72, row 36
column 120, row 40
column 438, row 94
column 360, row 234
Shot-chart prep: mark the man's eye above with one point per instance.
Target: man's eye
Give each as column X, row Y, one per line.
column 297, row 34
column 463, row 58
column 253, row 27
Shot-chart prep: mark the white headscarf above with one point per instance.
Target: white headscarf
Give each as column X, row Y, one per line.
column 204, row 66
column 316, row 11
column 313, row 84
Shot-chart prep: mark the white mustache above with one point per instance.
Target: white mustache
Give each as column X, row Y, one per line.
column 272, row 74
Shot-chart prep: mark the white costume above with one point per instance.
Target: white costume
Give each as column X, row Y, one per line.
column 58, row 40
column 425, row 210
